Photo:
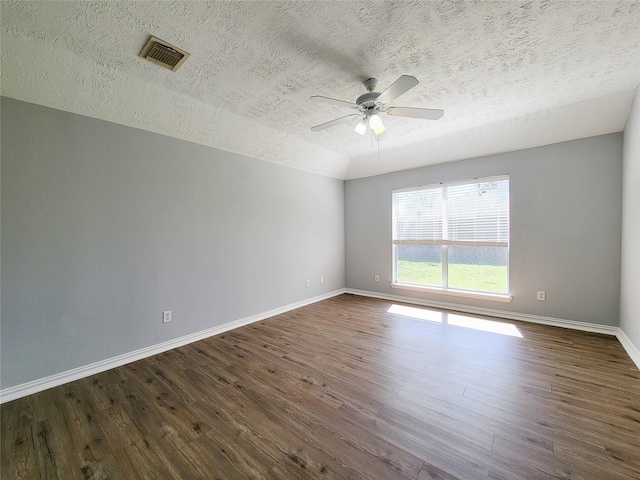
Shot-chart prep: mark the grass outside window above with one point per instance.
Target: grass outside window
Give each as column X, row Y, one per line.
column 482, row 278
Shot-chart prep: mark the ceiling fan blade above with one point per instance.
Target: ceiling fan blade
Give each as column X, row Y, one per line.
column 337, row 121
column 397, row 88
column 426, row 113
column 333, row 101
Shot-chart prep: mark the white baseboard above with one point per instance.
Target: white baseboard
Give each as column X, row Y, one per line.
column 35, row 386
column 525, row 317
column 631, row 349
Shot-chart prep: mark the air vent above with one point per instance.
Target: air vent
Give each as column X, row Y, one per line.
column 164, row 54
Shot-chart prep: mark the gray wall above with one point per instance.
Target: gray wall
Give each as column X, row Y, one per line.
column 565, row 227
column 105, row 226
column 630, row 283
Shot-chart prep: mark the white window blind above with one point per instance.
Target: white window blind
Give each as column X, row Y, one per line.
column 474, row 213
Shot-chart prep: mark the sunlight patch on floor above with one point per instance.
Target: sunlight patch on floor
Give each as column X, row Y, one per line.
column 418, row 313
column 456, row 320
column 484, row 325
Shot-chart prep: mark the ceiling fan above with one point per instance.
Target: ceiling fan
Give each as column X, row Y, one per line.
column 371, row 104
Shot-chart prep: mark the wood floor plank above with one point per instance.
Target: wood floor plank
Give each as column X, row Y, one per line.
column 431, row 472
column 369, row 462
column 56, row 455
column 105, row 469
column 17, row 441
column 348, row 388
column 420, row 445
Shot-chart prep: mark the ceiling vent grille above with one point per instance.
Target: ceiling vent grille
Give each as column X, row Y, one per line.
column 164, row 54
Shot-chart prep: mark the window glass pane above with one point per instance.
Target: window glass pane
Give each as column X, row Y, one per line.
column 483, row 269
column 419, row 265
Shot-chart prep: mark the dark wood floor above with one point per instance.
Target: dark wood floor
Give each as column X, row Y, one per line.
column 343, row 389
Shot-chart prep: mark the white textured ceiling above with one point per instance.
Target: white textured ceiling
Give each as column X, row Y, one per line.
column 509, row 75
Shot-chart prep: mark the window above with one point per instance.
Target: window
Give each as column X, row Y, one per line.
column 453, row 236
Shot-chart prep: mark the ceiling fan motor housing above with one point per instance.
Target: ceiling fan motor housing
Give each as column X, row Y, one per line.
column 368, row 101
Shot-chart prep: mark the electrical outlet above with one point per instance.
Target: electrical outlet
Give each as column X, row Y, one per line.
column 541, row 295
column 308, row 283
column 321, row 279
column 166, row 316
column 377, row 278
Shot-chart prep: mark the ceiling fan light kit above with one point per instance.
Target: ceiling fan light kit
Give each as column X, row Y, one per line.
column 380, row 130
column 361, row 126
column 375, row 121
column 371, row 104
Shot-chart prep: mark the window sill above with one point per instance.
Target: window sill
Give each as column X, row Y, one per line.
column 495, row 297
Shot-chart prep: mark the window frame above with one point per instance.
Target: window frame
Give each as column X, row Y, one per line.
column 445, row 243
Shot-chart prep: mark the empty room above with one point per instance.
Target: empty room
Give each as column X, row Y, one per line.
column 320, row 240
